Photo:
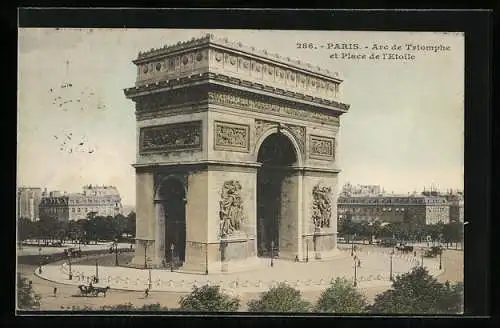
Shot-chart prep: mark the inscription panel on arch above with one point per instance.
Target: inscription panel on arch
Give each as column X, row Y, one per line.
column 231, row 136
column 322, row 147
column 171, row 137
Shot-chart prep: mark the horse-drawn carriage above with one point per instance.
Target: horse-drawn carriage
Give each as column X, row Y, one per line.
column 91, row 290
column 433, row 251
column 405, row 248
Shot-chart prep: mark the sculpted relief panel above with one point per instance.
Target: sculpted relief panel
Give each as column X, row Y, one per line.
column 299, row 132
column 322, row 148
column 275, row 73
column 255, row 104
column 172, row 65
column 171, row 137
column 231, row 211
column 322, row 206
column 231, row 136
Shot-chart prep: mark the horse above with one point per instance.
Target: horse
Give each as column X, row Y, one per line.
column 85, row 290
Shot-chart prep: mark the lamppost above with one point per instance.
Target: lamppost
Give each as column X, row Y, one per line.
column 172, row 258
column 145, row 244
column 307, row 250
column 149, row 281
column 272, row 252
column 352, row 246
column 206, row 259
column 355, row 272
column 440, row 255
column 96, row 271
column 116, row 252
column 70, row 275
column 422, row 257
column 40, row 260
column 390, row 273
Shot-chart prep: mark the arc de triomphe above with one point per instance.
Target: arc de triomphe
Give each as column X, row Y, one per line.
column 236, row 157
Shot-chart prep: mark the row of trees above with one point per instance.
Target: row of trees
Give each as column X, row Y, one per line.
column 447, row 233
column 93, row 228
column 416, row 292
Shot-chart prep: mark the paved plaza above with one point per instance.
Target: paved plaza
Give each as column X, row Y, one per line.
column 315, row 275
column 68, row 295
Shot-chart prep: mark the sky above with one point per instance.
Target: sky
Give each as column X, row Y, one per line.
column 403, row 131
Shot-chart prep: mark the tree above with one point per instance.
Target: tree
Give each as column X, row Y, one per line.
column 153, row 307
column 24, row 229
column 417, row 292
column 119, row 307
column 209, row 298
column 453, row 232
column 130, row 229
column 341, row 297
column 282, row 298
column 27, row 299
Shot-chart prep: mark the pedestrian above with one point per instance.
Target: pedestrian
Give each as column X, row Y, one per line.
column 55, row 291
column 146, row 292
column 359, row 263
column 415, row 253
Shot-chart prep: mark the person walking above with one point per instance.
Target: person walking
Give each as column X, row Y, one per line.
column 55, row 291
column 146, row 293
column 359, row 263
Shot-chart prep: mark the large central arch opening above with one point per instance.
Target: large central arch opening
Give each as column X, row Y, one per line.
column 172, row 195
column 277, row 154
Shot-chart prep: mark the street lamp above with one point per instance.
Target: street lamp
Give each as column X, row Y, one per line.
column 40, row 260
column 116, row 252
column 440, row 261
column 355, row 272
column 272, row 253
column 206, row 259
column 390, row 273
column 172, row 258
column 96, row 271
column 422, row 257
column 149, row 281
column 307, row 250
column 352, row 246
column 70, row 275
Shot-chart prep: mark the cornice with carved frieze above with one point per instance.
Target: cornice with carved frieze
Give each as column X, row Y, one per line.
column 135, row 93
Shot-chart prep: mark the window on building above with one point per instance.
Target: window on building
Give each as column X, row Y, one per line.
column 73, row 210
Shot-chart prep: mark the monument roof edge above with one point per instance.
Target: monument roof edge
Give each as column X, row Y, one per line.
column 211, row 39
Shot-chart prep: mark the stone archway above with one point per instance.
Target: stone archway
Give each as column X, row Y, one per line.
column 278, row 156
column 205, row 108
column 170, row 202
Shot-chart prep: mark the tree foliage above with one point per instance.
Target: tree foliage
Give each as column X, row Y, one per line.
column 282, row 298
column 341, row 297
column 27, row 299
column 403, row 231
column 417, row 292
column 210, row 299
column 93, row 228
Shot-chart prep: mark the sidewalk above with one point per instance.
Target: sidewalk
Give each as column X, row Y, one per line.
column 315, row 275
